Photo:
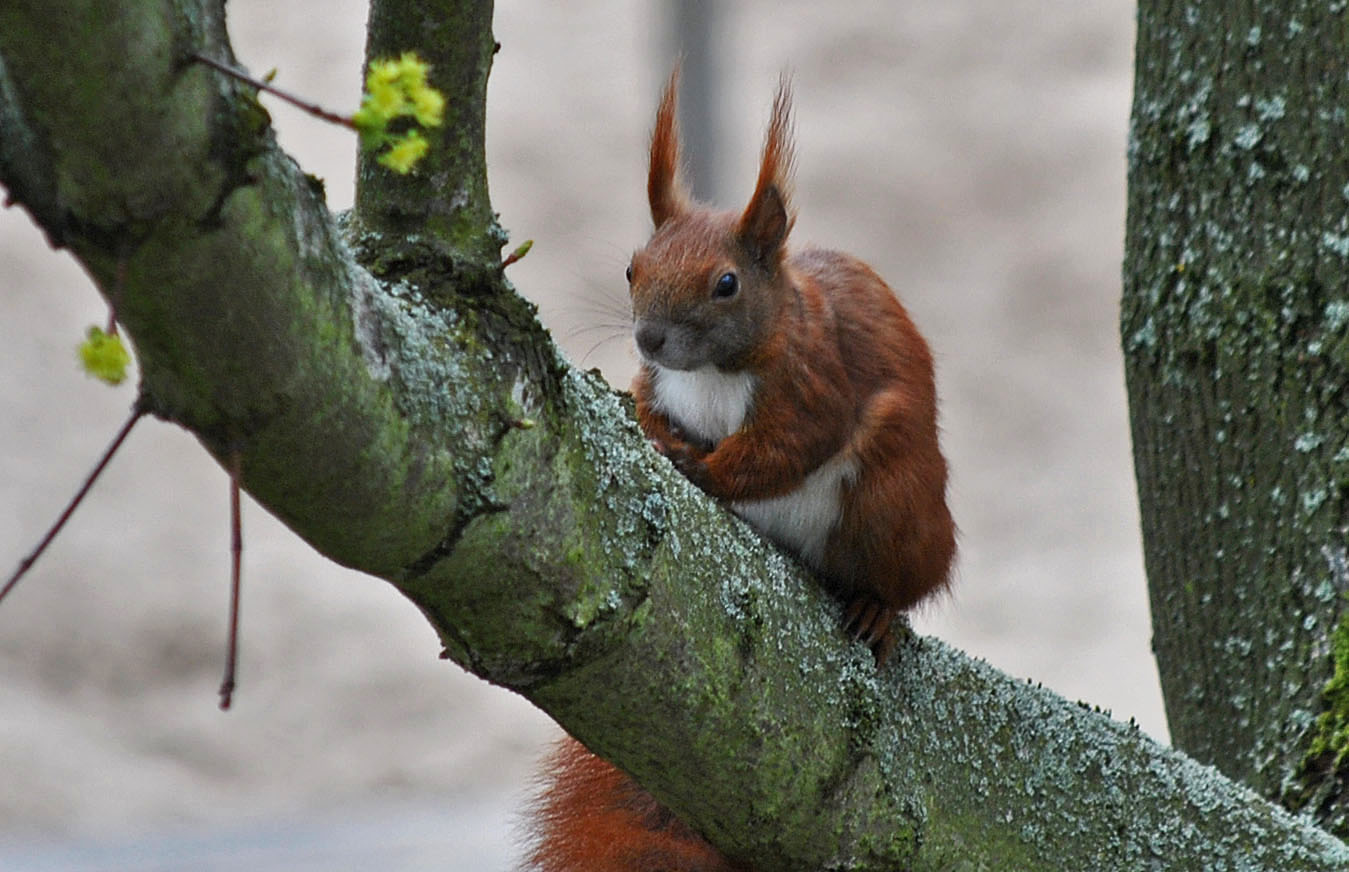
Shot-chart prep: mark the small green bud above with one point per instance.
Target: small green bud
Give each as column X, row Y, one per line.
column 520, row 251
column 104, row 357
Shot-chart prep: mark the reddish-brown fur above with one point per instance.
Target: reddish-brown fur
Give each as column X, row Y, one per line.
column 839, row 374
column 593, row 818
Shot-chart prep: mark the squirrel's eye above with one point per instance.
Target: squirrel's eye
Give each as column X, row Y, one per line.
column 726, row 287
column 629, row 273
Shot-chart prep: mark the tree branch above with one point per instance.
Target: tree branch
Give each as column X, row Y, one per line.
column 567, row 561
column 443, row 206
column 1236, row 338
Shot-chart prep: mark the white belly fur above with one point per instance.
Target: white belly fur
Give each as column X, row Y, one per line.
column 802, row 519
column 712, row 405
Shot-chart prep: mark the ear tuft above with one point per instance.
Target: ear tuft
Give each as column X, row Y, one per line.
column 768, row 218
column 664, row 188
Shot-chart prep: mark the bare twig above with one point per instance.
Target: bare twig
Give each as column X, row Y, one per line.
column 116, row 295
column 236, row 558
column 312, row 108
column 27, row 563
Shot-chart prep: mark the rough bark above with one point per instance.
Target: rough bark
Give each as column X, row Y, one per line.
column 1236, row 331
column 400, row 408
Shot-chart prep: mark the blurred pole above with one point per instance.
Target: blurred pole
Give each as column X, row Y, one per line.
column 693, row 32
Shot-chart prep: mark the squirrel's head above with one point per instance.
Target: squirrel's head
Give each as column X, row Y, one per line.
column 708, row 287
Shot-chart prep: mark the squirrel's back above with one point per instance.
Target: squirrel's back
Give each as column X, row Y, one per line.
column 868, row 318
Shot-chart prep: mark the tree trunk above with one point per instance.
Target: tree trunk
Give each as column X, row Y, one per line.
column 401, row 409
column 1236, row 331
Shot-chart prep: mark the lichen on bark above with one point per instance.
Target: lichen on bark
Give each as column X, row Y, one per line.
column 1237, row 368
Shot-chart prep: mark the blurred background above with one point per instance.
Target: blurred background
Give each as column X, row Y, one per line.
column 972, row 151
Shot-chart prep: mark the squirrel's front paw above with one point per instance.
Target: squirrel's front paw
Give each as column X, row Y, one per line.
column 690, row 464
column 688, row 459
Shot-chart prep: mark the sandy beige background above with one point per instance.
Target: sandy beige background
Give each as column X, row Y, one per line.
column 973, row 152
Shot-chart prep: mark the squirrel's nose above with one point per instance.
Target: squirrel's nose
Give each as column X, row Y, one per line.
column 650, row 338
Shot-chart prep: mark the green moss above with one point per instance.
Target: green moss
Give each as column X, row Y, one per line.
column 1331, row 734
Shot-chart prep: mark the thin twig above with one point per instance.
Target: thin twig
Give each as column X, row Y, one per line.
column 116, row 296
column 27, row 563
column 312, row 108
column 236, row 559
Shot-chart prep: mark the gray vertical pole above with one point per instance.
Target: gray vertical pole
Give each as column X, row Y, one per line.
column 694, row 34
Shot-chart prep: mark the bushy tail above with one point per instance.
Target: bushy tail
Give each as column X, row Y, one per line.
column 590, row 817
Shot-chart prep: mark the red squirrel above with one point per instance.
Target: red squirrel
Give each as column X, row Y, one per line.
column 793, row 387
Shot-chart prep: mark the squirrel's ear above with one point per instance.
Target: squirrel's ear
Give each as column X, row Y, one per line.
column 663, row 186
column 768, row 218
column 765, row 224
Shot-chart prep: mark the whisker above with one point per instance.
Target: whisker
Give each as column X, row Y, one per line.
column 617, row 330
column 605, row 306
column 601, row 343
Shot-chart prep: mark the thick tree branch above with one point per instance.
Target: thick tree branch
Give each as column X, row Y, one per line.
column 1236, row 332
column 385, row 421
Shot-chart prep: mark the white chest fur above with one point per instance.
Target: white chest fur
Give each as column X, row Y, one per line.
column 712, row 405
column 706, row 402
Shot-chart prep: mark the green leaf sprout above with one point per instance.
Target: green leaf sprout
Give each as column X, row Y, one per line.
column 395, row 89
column 403, row 153
column 104, row 357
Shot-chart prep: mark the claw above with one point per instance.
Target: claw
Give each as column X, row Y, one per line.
column 687, row 458
column 868, row 620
